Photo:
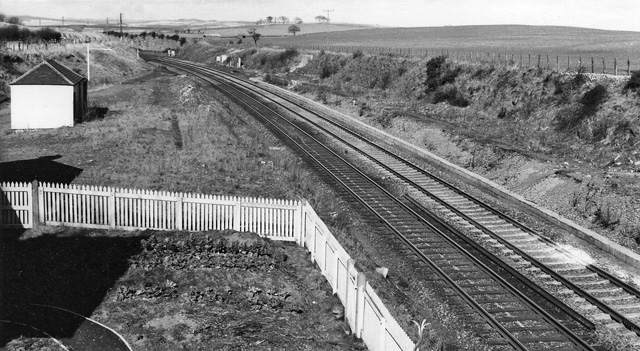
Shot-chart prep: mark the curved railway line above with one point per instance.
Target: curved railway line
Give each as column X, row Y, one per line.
column 520, row 314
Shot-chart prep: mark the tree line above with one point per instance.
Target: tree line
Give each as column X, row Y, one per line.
column 15, row 33
column 145, row 34
column 274, row 20
column 10, row 19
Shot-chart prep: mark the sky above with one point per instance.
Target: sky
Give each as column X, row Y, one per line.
column 601, row 14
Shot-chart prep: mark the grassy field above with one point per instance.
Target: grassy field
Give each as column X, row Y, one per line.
column 494, row 39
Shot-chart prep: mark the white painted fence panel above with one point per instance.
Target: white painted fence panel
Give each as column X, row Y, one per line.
column 16, row 205
column 131, row 209
column 102, row 207
column 366, row 314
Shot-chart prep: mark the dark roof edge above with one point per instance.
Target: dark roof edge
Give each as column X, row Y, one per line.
column 58, row 71
column 27, row 73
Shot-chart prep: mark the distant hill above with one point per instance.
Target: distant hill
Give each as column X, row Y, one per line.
column 515, row 39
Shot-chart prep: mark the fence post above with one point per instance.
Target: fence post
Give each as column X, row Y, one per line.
column 592, row 70
column 529, row 60
column 603, row 65
column 615, row 66
column 558, row 63
column 36, row 205
column 362, row 282
column 179, row 213
column 538, row 61
column 236, row 215
column 350, row 306
column 628, row 67
column 298, row 223
column 111, row 205
column 568, row 63
column 383, row 333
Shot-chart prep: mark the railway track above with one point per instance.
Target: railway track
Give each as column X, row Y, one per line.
column 484, row 283
column 617, row 301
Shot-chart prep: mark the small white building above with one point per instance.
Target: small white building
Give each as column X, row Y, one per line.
column 48, row 96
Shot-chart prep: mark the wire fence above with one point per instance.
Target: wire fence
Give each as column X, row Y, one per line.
column 570, row 63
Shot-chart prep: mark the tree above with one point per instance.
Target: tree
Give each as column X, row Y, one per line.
column 253, row 33
column 2, row 17
column 269, row 19
column 293, row 29
column 297, row 20
column 284, row 19
column 321, row 19
column 14, row 20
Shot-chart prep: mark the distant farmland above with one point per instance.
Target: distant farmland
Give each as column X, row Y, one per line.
column 512, row 39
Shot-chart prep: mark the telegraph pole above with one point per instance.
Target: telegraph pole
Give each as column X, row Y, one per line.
column 327, row 11
column 121, row 26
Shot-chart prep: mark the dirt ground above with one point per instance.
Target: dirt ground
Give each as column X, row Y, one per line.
column 181, row 291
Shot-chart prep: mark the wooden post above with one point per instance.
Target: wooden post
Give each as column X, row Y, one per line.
column 538, row 61
column 361, row 284
column 298, row 224
column 179, row 224
column 236, row 215
column 529, row 60
column 558, row 63
column 628, row 67
column 615, row 66
column 547, row 61
column 36, row 206
column 592, row 70
column 567, row 63
column 603, row 65
column 383, row 332
column 520, row 60
column 350, row 306
column 111, row 205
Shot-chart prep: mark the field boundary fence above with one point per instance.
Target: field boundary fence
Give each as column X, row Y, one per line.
column 27, row 205
column 569, row 63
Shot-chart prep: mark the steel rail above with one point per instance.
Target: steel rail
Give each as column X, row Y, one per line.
column 595, row 301
column 402, row 237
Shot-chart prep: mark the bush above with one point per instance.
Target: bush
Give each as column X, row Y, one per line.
column 13, row 33
column 357, row 54
column 183, row 41
column 580, row 78
column 439, row 73
column 327, row 71
column 450, row 95
column 634, row 82
column 595, row 96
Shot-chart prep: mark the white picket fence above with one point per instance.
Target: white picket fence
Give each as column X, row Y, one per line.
column 133, row 209
column 285, row 220
column 366, row 314
column 16, row 205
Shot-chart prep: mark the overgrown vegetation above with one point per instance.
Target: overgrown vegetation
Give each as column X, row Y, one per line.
column 16, row 33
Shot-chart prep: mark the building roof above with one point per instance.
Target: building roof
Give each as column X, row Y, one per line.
column 49, row 72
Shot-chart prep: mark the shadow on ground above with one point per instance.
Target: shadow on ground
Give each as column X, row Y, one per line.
column 42, row 169
column 73, row 272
